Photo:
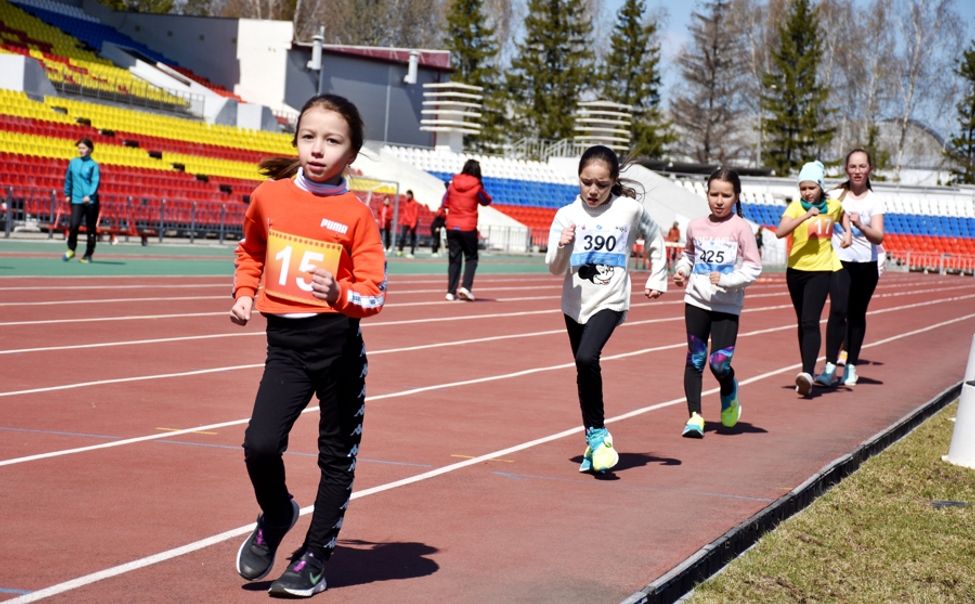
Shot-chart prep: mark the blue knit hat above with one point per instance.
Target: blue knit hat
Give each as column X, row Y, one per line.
column 814, row 171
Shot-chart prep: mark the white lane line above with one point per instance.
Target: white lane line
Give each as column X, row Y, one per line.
column 398, row 394
column 189, row 548
column 376, row 323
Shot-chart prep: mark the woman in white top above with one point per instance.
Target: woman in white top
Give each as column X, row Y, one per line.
column 860, row 273
column 590, row 243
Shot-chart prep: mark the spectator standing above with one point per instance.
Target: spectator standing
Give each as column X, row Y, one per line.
column 464, row 194
column 81, row 191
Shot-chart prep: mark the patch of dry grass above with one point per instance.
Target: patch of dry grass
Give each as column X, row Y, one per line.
column 875, row 537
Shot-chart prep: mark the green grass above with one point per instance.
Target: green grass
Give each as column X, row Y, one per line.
column 875, row 537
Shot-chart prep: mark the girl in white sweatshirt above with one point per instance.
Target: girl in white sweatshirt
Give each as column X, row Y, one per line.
column 590, row 243
column 719, row 260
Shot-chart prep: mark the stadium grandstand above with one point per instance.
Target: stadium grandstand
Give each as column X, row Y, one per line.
column 182, row 109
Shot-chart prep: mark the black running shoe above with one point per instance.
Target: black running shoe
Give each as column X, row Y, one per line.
column 304, row 578
column 256, row 554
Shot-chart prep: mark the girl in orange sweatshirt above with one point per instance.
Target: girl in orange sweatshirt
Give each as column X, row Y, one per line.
column 311, row 260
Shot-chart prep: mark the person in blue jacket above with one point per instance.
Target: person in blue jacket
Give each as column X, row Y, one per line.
column 81, row 191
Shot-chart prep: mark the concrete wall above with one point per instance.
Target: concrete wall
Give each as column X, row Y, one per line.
column 21, row 73
column 206, row 45
column 262, row 52
column 366, row 83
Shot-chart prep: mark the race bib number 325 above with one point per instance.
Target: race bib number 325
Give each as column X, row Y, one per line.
column 289, row 261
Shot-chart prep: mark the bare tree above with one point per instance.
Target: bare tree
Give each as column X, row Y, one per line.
column 930, row 33
column 707, row 111
column 758, row 26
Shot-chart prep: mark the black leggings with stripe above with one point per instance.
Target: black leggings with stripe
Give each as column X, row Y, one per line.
column 322, row 356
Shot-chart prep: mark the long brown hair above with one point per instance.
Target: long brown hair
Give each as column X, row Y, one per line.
column 277, row 168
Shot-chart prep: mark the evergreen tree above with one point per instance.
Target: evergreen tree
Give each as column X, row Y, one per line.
column 631, row 77
column 796, row 128
column 473, row 54
column 708, row 114
column 551, row 67
column 963, row 144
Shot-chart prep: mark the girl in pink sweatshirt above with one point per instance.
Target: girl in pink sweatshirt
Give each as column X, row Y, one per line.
column 719, row 260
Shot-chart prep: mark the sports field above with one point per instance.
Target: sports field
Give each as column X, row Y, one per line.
column 126, row 391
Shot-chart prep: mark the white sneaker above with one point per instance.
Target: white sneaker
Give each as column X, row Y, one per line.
column 804, row 383
column 435, row 255
column 409, row 255
column 850, row 378
column 465, row 294
column 450, row 297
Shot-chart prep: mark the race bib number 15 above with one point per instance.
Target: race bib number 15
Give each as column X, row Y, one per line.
column 289, row 261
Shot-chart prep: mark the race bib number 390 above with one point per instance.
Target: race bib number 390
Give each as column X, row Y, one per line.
column 289, row 261
column 598, row 244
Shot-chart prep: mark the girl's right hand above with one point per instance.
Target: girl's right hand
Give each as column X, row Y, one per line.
column 568, row 235
column 680, row 279
column 240, row 312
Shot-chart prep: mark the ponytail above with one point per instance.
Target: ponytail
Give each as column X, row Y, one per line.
column 278, row 168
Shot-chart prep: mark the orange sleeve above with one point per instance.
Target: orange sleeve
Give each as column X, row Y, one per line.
column 250, row 252
column 363, row 292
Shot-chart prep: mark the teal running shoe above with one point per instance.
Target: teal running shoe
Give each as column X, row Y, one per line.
column 694, row 428
column 600, row 456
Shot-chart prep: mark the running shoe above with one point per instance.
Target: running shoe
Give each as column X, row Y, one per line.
column 730, row 408
column 85, row 259
column 68, row 255
column 828, row 377
column 694, row 428
column 304, row 578
column 465, row 294
column 841, row 359
column 256, row 554
column 599, row 450
column 850, row 378
column 804, row 383
column 450, row 297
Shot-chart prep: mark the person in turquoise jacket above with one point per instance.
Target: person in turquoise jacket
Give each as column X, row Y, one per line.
column 81, row 191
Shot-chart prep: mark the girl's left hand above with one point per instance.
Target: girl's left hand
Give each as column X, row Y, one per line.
column 653, row 294
column 715, row 277
column 324, row 286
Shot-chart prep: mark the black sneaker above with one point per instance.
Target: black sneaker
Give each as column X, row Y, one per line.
column 304, row 578
column 256, row 554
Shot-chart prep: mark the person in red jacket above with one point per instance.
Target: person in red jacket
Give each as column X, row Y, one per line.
column 409, row 215
column 464, row 194
column 312, row 262
column 386, row 224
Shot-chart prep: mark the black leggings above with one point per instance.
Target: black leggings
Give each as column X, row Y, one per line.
column 587, row 341
column 461, row 244
column 723, row 331
column 411, row 231
column 323, row 356
column 808, row 290
column 87, row 212
column 856, row 284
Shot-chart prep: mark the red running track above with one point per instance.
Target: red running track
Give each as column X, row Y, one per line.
column 123, row 409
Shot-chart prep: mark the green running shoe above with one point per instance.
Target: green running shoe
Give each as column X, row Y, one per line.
column 730, row 408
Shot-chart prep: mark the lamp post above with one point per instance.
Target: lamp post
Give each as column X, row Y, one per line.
column 316, row 63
